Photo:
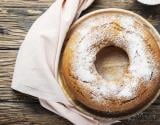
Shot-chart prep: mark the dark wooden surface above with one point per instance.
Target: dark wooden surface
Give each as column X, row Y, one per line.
column 16, row 17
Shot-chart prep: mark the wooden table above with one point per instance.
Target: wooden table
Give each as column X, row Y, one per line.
column 16, row 17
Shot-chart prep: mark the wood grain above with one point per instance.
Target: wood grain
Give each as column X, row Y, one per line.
column 16, row 17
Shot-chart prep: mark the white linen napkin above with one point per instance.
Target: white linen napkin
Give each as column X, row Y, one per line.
column 37, row 61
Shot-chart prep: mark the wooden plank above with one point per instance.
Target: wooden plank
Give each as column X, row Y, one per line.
column 25, row 3
column 15, row 20
column 7, row 62
column 28, row 114
column 12, row 103
column 32, row 113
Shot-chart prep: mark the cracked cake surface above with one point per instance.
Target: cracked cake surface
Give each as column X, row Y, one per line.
column 140, row 81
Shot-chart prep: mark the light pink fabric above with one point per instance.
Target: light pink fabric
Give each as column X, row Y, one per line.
column 37, row 62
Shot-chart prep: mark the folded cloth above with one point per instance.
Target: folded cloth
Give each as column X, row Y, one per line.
column 37, row 61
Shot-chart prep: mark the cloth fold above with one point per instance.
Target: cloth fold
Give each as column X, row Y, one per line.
column 37, row 61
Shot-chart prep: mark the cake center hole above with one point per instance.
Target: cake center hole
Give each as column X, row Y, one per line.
column 112, row 63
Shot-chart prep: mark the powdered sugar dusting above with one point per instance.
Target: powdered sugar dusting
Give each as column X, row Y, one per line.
column 100, row 32
column 127, row 22
column 142, row 65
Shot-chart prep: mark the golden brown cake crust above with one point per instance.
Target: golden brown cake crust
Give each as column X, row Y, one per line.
column 143, row 74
